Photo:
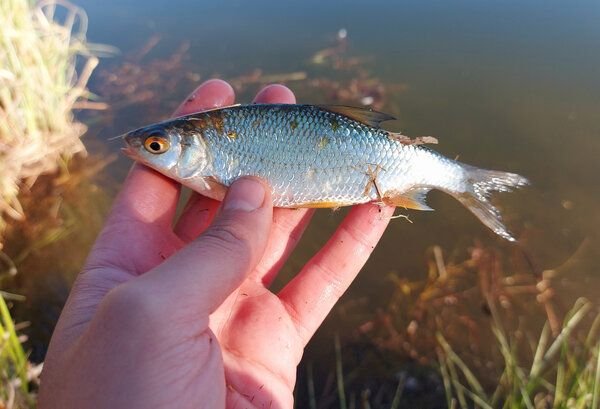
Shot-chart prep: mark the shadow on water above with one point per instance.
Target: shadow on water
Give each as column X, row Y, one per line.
column 434, row 273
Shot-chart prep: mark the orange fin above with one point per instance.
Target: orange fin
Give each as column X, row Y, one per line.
column 362, row 115
column 412, row 199
column 322, row 205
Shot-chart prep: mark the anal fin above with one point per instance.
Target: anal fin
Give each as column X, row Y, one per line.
column 411, row 199
column 322, row 205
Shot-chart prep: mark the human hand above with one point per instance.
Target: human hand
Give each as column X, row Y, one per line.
column 180, row 315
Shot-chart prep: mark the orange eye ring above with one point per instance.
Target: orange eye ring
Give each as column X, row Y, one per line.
column 156, row 144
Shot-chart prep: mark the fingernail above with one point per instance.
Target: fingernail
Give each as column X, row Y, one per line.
column 275, row 92
column 210, row 94
column 245, row 194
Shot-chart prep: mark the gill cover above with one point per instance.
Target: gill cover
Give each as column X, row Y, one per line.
column 194, row 158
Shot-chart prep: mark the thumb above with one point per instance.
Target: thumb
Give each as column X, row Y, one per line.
column 199, row 277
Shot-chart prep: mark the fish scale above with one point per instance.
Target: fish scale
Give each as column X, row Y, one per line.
column 313, row 156
column 310, row 163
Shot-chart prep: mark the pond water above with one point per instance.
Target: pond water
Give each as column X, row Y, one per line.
column 510, row 85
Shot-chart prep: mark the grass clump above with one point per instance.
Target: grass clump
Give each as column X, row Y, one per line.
column 564, row 373
column 45, row 64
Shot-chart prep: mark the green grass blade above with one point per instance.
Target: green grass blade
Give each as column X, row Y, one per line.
column 479, row 400
column 398, row 393
column 454, row 378
column 339, row 371
column 446, row 379
column 540, row 351
column 560, row 379
column 593, row 333
column 596, row 387
column 13, row 348
column 576, row 315
column 469, row 376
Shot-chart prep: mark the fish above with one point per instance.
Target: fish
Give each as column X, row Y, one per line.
column 314, row 156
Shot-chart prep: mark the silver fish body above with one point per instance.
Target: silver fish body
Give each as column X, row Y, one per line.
column 313, row 156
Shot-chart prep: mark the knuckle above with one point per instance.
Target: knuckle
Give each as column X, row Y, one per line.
column 131, row 304
column 333, row 285
column 229, row 238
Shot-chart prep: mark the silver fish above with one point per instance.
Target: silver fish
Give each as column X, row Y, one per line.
column 313, row 156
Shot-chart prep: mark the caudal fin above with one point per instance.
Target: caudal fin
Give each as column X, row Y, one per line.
column 480, row 184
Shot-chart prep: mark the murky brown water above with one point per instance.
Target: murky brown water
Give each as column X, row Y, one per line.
column 512, row 86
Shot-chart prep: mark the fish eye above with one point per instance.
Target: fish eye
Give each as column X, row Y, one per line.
column 156, row 144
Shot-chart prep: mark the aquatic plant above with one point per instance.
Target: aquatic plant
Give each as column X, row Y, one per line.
column 564, row 373
column 485, row 331
column 151, row 85
column 45, row 64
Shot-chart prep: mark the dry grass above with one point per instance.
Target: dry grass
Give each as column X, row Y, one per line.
column 45, row 64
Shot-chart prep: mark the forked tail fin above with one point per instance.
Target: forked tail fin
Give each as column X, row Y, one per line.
column 480, row 183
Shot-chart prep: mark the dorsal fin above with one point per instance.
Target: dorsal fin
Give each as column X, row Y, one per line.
column 362, row 115
column 190, row 116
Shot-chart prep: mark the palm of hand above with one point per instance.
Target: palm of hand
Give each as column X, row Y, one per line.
column 260, row 344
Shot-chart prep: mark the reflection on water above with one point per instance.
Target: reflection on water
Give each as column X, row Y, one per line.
column 509, row 86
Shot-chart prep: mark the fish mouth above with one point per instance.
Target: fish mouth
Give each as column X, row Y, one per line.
column 132, row 145
column 129, row 151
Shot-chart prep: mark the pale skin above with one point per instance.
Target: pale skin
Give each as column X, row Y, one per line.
column 179, row 313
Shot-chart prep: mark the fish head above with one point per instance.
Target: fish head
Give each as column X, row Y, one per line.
column 168, row 148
